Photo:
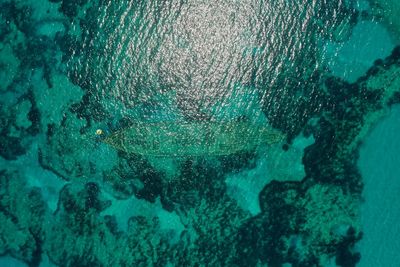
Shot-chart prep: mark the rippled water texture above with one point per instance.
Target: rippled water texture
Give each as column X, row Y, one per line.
column 198, row 133
column 205, row 55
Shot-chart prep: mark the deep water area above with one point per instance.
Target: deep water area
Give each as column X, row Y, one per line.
column 199, row 133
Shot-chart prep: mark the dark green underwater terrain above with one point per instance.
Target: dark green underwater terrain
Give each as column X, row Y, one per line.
column 199, row 133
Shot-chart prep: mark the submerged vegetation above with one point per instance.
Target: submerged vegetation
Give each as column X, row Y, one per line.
column 136, row 68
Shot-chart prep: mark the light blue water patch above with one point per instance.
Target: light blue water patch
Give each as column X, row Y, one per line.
column 272, row 164
column 123, row 210
column 8, row 261
column 245, row 186
column 362, row 5
column 351, row 60
column 46, row 262
column 35, row 176
column 379, row 164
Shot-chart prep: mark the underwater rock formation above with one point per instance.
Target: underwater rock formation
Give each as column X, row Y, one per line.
column 211, row 227
column 122, row 179
column 351, row 111
column 22, row 213
column 302, row 233
column 133, row 175
column 298, row 225
column 8, row 65
column 72, row 151
column 328, row 214
column 60, row 86
column 65, row 153
column 80, row 235
column 19, row 122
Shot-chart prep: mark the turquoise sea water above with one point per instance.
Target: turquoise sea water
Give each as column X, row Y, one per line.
column 379, row 165
column 199, row 133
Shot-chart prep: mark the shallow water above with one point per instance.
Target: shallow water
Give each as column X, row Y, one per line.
column 379, row 165
column 196, row 133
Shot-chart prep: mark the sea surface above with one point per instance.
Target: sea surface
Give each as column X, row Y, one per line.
column 199, row 133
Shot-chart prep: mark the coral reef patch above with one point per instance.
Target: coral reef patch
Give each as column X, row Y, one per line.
column 74, row 73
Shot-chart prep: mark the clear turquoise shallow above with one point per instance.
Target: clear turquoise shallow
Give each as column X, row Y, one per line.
column 325, row 75
column 379, row 164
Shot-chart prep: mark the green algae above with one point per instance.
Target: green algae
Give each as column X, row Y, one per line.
column 192, row 139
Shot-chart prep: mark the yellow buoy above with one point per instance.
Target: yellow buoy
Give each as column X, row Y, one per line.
column 99, row 132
